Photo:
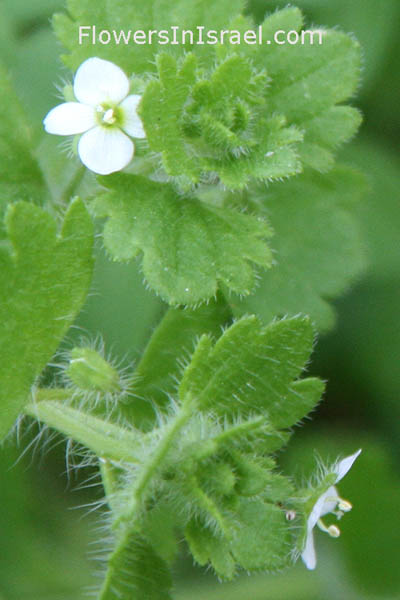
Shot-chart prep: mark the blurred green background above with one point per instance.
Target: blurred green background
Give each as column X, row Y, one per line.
column 44, row 544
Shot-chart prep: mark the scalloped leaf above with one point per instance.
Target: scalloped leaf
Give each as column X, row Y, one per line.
column 259, row 540
column 45, row 278
column 216, row 124
column 188, row 246
column 319, row 248
column 308, row 80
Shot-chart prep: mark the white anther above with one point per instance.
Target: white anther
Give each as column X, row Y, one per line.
column 109, row 117
column 333, row 531
column 344, row 505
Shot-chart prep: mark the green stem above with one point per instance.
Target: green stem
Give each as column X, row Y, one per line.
column 101, row 437
column 127, row 523
column 109, row 476
column 154, row 463
column 59, row 394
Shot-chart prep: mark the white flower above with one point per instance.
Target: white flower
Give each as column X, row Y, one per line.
column 104, row 113
column 328, row 502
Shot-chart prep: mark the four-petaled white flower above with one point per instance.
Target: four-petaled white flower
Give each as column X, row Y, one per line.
column 328, row 502
column 104, row 113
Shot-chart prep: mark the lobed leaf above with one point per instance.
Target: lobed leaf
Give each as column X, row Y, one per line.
column 319, row 249
column 161, row 111
column 215, row 124
column 308, row 80
column 44, row 282
column 206, row 547
column 262, row 111
column 135, row 571
column 188, row 246
column 160, row 367
column 260, row 540
column 253, row 370
column 263, row 539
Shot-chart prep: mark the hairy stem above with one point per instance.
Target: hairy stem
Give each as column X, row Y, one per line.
column 127, row 524
column 101, row 437
column 142, row 483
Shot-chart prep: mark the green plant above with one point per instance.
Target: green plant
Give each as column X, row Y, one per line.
column 242, row 224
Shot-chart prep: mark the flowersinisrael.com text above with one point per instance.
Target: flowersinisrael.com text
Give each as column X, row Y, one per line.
column 90, row 34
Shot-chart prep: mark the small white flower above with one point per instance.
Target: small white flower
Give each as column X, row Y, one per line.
column 328, row 502
column 104, row 113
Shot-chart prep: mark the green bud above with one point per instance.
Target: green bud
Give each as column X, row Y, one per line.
column 90, row 371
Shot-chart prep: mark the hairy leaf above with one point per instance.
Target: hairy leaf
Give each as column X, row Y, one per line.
column 135, row 571
column 169, row 349
column 319, row 249
column 358, row 17
column 161, row 111
column 20, row 176
column 217, row 124
column 307, row 80
column 44, row 282
column 252, row 369
column 261, row 111
column 188, row 246
column 263, row 538
column 264, row 111
column 259, row 540
column 159, row 524
column 208, row 547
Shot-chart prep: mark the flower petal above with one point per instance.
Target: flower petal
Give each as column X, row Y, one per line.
column 97, row 81
column 105, row 150
column 132, row 123
column 69, row 118
column 344, row 466
column 330, row 500
column 316, row 512
column 308, row 555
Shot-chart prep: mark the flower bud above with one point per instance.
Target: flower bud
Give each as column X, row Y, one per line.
column 88, row 370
